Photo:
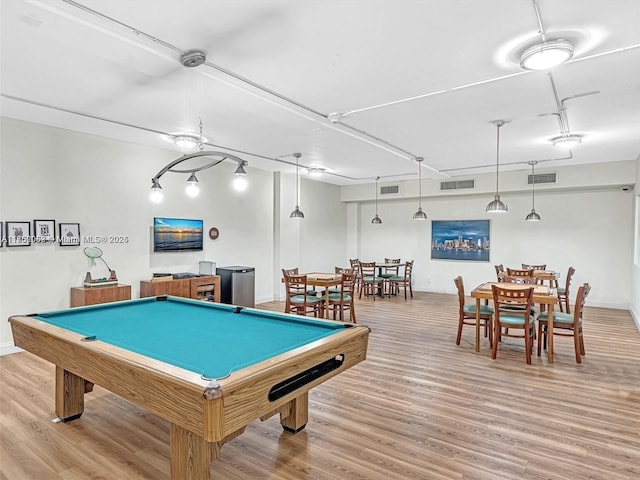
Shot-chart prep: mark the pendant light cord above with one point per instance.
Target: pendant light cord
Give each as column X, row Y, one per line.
column 297, row 155
column 419, row 160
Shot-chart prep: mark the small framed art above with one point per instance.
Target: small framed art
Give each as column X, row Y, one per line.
column 69, row 235
column 44, row 231
column 18, row 234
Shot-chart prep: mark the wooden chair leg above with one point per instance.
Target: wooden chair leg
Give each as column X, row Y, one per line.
column 494, row 350
column 576, row 345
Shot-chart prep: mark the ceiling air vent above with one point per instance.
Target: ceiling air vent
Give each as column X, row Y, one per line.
column 542, row 178
column 457, row 184
column 389, row 189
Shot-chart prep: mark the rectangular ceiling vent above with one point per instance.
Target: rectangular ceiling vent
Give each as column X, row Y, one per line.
column 542, row 178
column 390, row 189
column 457, row 184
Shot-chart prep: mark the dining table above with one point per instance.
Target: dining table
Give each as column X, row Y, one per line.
column 542, row 295
column 384, row 265
column 326, row 280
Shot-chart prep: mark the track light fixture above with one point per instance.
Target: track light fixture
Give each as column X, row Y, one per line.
column 297, row 213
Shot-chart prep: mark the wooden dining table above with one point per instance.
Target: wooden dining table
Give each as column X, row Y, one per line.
column 542, row 295
column 326, row 280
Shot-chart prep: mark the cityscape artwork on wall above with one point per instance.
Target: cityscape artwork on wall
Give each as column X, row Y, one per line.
column 465, row 240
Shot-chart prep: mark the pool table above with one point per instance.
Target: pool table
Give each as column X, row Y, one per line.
column 207, row 368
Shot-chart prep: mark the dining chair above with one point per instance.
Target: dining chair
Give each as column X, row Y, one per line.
column 355, row 264
column 526, row 266
column 507, row 318
column 563, row 292
column 499, row 270
column 405, row 280
column 345, row 299
column 369, row 280
column 467, row 313
column 340, row 271
column 298, row 301
column 565, row 324
column 519, row 272
column 295, row 271
column 389, row 272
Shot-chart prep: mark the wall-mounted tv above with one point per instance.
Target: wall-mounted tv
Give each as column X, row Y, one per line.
column 176, row 234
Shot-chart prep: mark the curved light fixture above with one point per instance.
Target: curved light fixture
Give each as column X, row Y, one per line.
column 156, row 194
column 567, row 141
column 497, row 205
column 376, row 220
column 533, row 216
column 297, row 213
column 419, row 215
column 240, row 174
column 546, row 55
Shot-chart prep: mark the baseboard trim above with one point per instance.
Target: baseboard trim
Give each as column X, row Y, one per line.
column 635, row 316
column 9, row 348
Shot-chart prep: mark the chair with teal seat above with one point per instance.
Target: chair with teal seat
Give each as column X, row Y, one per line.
column 370, row 281
column 388, row 272
column 467, row 313
column 344, row 300
column 298, row 301
column 405, row 280
column 566, row 324
column 295, row 271
column 563, row 292
column 507, row 320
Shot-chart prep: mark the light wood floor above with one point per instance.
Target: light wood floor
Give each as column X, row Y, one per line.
column 420, row 407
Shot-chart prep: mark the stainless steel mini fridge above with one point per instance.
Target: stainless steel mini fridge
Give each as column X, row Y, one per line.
column 237, row 285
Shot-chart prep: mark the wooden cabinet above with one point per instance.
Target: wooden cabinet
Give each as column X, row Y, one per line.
column 194, row 287
column 81, row 296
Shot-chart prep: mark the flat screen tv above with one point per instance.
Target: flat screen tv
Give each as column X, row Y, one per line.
column 176, row 234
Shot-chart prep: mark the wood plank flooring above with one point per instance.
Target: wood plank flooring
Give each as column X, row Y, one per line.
column 420, row 407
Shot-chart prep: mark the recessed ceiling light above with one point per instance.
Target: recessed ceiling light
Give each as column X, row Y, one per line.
column 546, row 55
column 186, row 140
column 567, row 141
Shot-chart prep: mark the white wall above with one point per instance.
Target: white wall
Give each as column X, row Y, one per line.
column 48, row 173
column 589, row 229
column 635, row 268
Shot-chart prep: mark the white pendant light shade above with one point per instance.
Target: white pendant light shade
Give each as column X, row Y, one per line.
column 533, row 216
column 192, row 188
column 546, row 55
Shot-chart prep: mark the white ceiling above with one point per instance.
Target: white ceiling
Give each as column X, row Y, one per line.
column 112, row 68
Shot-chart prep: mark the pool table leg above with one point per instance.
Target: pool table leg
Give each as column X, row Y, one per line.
column 70, row 390
column 191, row 454
column 295, row 414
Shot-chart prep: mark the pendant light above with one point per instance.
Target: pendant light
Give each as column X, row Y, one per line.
column 297, row 213
column 376, row 220
column 497, row 205
column 419, row 215
column 533, row 216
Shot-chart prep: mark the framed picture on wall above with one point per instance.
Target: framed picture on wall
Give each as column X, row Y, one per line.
column 463, row 240
column 18, row 234
column 69, row 234
column 3, row 239
column 44, row 231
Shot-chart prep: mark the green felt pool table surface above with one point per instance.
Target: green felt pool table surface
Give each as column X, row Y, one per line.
column 210, row 339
